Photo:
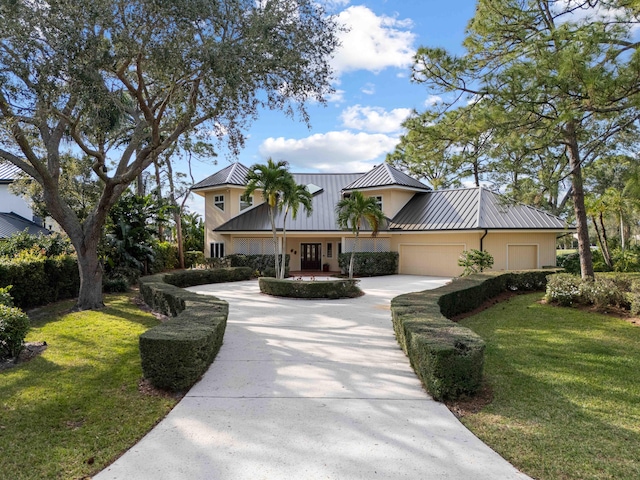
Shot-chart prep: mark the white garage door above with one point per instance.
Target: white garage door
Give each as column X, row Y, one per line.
column 436, row 260
column 522, row 257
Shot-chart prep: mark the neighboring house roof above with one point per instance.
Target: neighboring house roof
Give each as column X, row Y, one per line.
column 8, row 172
column 11, row 223
column 234, row 174
column 385, row 176
column 324, row 202
column 470, row 209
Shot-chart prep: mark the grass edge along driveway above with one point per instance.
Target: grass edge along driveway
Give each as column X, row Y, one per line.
column 74, row 409
column 566, row 387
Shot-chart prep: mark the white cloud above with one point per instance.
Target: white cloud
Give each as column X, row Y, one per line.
column 432, row 100
column 337, row 151
column 373, row 42
column 374, row 119
column 333, row 4
column 336, row 97
column 368, row 89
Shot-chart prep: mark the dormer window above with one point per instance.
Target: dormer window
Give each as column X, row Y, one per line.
column 218, row 201
column 246, row 201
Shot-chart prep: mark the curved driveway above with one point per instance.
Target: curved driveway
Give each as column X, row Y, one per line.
column 305, row 389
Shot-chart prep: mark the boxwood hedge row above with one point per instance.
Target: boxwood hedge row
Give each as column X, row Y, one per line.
column 39, row 280
column 176, row 353
column 370, row 264
column 310, row 289
column 447, row 357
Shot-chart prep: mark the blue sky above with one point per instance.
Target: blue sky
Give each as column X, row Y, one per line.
column 362, row 121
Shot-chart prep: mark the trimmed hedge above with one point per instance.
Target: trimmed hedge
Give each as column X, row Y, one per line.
column 263, row 264
column 165, row 257
column 14, row 326
column 370, row 264
column 189, row 278
column 310, row 289
column 193, row 258
column 39, row 280
column 447, row 357
column 176, row 353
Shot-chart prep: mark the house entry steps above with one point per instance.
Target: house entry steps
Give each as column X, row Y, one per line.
column 305, row 389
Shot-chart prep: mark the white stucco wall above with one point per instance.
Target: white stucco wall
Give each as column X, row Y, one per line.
column 12, row 203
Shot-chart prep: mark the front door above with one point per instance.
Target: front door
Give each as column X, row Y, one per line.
column 310, row 256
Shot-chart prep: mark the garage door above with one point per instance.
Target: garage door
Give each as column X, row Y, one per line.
column 436, row 260
column 522, row 257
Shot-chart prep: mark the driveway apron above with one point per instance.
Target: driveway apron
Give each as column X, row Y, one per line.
column 310, row 389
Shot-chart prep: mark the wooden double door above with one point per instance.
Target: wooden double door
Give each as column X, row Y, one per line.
column 310, row 256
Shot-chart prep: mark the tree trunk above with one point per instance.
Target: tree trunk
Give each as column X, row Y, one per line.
column 353, row 254
column 159, row 198
column 284, row 245
column 177, row 218
column 602, row 240
column 584, row 247
column 90, row 295
column 276, row 253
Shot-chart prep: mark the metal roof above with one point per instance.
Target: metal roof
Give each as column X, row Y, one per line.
column 385, row 175
column 234, row 174
column 470, row 209
column 9, row 172
column 11, row 223
column 323, row 217
column 440, row 210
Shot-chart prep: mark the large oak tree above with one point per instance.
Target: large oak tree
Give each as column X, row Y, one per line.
column 121, row 81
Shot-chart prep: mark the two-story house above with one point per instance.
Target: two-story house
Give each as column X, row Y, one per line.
column 429, row 229
column 15, row 213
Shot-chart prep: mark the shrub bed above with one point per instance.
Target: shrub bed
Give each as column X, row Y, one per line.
column 14, row 326
column 176, row 353
column 612, row 289
column 263, row 264
column 38, row 280
column 449, row 358
column 332, row 289
column 370, row 264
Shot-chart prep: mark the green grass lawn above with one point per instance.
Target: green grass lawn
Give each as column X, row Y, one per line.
column 72, row 410
column 567, row 390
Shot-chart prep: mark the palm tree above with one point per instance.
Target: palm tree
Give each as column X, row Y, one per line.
column 293, row 197
column 273, row 179
column 352, row 211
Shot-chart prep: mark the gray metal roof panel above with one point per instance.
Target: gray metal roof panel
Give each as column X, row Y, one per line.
column 9, row 172
column 234, row 174
column 11, row 223
column 498, row 213
column 323, row 217
column 385, row 175
column 467, row 209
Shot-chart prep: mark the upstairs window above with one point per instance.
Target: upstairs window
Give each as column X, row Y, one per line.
column 378, row 199
column 218, row 201
column 246, row 201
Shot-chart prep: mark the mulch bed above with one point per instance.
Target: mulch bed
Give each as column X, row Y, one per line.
column 29, row 352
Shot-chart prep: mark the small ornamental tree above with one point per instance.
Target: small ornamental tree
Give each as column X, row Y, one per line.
column 475, row 261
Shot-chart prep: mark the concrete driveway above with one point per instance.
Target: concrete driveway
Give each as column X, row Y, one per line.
column 305, row 389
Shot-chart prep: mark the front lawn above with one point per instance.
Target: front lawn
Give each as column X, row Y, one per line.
column 72, row 410
column 566, row 390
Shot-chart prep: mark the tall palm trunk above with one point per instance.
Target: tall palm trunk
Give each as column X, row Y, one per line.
column 272, row 217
